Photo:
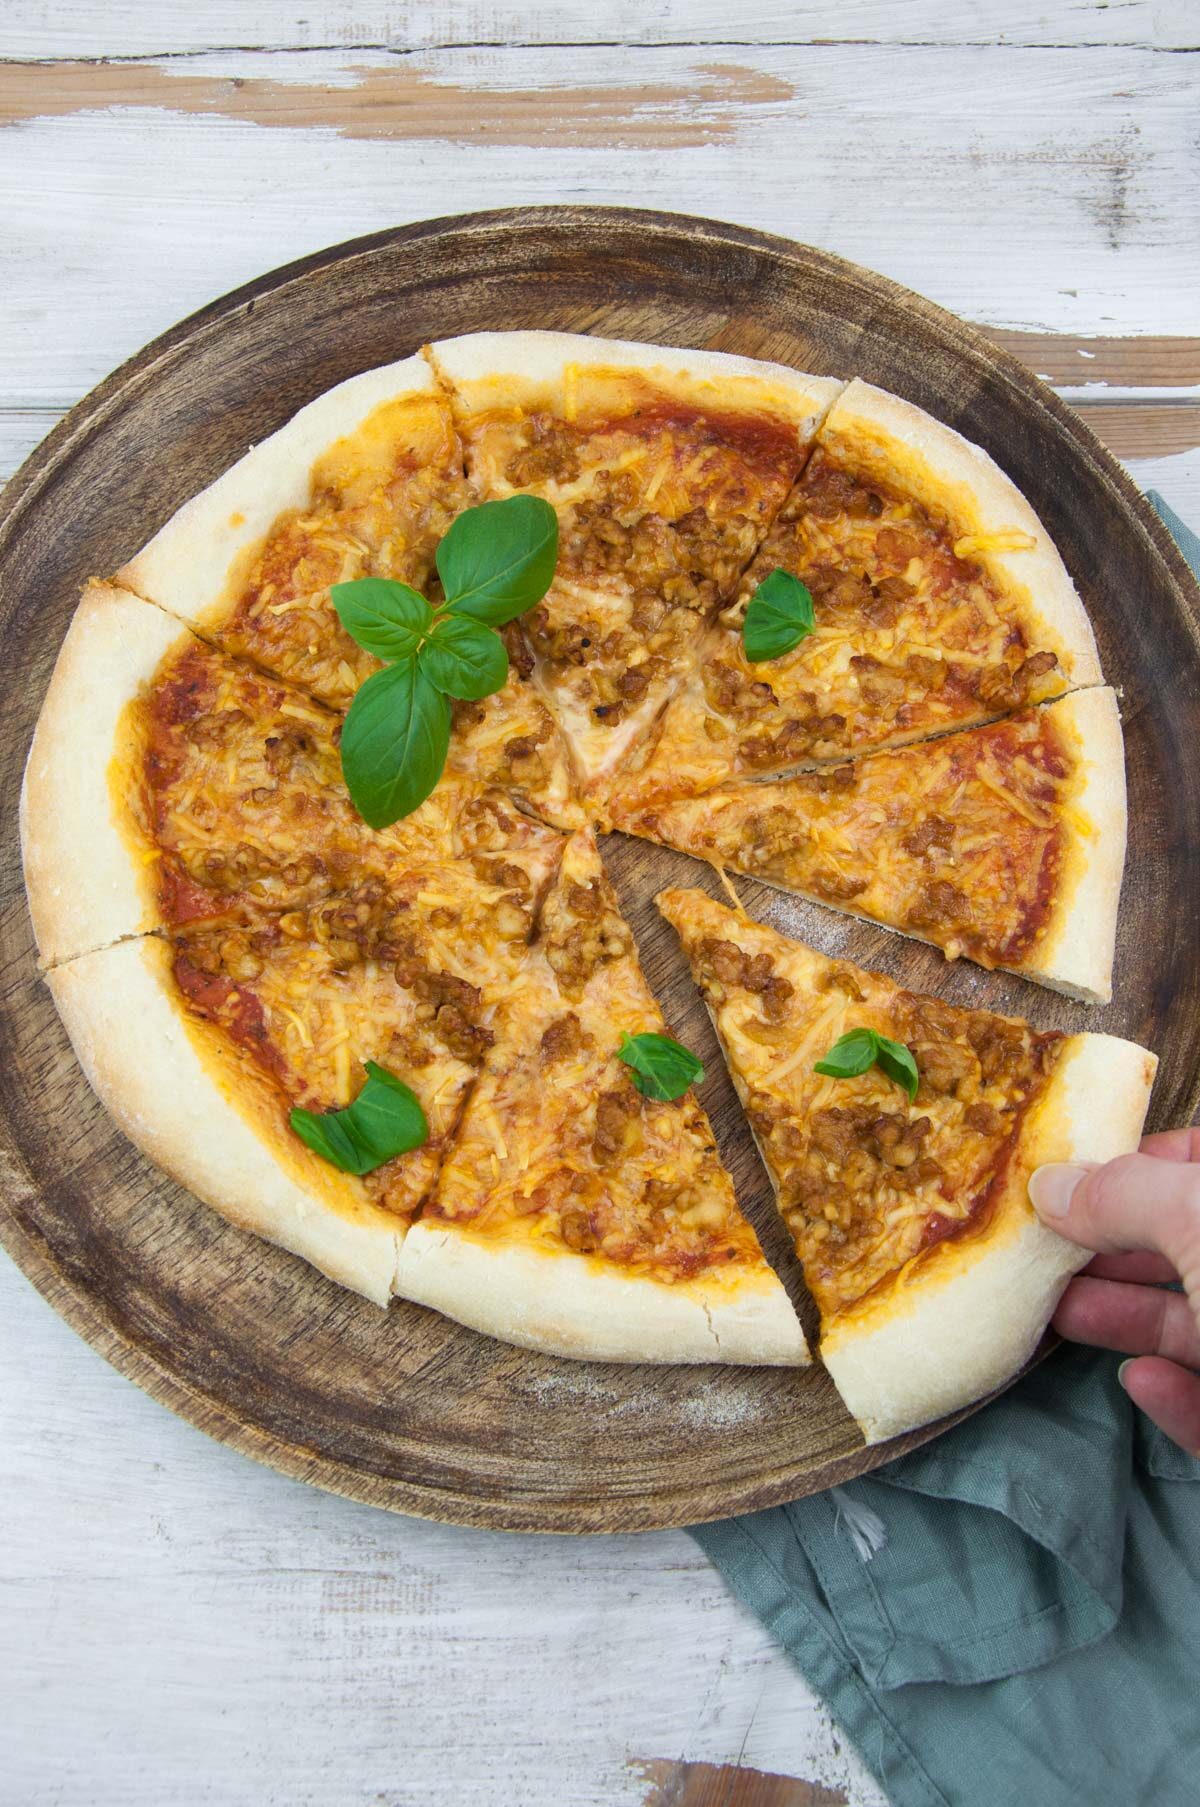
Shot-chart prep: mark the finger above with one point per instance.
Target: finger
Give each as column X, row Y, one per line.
column 1173, row 1145
column 1167, row 1394
column 1141, row 1320
column 1135, row 1202
column 1137, row 1266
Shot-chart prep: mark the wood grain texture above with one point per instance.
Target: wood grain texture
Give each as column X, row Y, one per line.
column 1144, row 430
column 391, row 101
column 707, row 1785
column 1065, row 205
column 407, row 1410
column 48, row 28
column 1068, row 360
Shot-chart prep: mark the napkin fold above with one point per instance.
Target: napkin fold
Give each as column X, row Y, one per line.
column 1010, row 1616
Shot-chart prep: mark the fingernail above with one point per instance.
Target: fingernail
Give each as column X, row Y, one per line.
column 1051, row 1187
column 1122, row 1368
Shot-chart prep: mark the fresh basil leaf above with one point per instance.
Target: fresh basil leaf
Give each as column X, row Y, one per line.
column 394, row 743
column 859, row 1049
column 662, row 1068
column 850, row 1055
column 385, row 618
column 497, row 560
column 385, row 1120
column 896, row 1060
column 779, row 615
column 464, row 658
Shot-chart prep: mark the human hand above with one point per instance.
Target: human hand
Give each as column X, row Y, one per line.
column 1142, row 1214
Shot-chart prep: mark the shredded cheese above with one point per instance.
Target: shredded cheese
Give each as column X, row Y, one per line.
column 1007, row 539
column 1018, row 805
column 728, row 884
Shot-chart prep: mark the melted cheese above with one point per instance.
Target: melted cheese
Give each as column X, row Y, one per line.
column 1010, row 539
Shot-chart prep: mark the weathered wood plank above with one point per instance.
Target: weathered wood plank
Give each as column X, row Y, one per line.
column 44, row 28
column 1067, row 359
column 706, row 1785
column 1146, row 430
column 179, row 205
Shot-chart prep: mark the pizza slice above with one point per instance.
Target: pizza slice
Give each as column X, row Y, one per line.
column 937, row 601
column 1004, row 843
column 666, row 468
column 203, row 1042
column 209, row 1116
column 363, row 482
column 170, row 784
column 575, row 1213
column 210, row 908
column 900, row 1133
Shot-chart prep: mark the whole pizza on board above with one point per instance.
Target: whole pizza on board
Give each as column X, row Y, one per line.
column 309, row 824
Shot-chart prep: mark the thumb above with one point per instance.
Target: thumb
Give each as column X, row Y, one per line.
column 1136, row 1202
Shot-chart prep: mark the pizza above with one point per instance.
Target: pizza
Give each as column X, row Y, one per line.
column 394, row 1020
column 932, row 1275
column 665, row 468
column 1003, row 843
column 574, row 1213
column 938, row 601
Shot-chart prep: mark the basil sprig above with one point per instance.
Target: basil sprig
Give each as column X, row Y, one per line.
column 385, row 1120
column 778, row 616
column 495, row 562
column 859, row 1049
column 661, row 1068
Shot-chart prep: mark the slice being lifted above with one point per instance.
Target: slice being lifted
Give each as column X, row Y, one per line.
column 1005, row 843
column 666, row 467
column 933, row 1277
column 574, row 1214
column 939, row 601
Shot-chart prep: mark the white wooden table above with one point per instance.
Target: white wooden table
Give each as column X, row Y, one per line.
column 177, row 1625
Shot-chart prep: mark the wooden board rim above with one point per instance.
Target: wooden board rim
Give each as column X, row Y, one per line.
column 88, row 418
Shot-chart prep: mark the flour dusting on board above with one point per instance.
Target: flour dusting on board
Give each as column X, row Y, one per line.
column 719, row 1407
column 713, row 1405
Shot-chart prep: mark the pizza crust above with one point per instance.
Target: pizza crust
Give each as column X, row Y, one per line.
column 1075, row 954
column 954, row 1327
column 573, row 1305
column 532, row 370
column 87, row 875
column 212, row 1121
column 188, row 564
column 902, row 445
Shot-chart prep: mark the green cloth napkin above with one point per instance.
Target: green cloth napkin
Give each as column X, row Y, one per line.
column 1046, row 1552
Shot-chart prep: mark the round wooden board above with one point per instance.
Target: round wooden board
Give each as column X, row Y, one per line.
column 405, row 1409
